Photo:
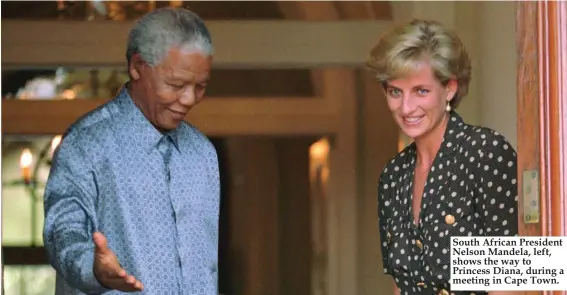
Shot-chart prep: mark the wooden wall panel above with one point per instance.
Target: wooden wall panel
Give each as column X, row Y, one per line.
column 295, row 247
column 253, row 214
column 269, row 216
column 260, row 83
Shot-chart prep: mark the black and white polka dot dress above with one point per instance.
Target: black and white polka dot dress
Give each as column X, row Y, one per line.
column 471, row 190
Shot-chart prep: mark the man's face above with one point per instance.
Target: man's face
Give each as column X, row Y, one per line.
column 169, row 90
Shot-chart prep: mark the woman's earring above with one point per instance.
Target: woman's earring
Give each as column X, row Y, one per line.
column 448, row 107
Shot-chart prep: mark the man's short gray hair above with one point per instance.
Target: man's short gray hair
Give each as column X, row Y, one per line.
column 157, row 32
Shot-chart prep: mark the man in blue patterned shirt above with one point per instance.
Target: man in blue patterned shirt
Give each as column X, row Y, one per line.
column 132, row 200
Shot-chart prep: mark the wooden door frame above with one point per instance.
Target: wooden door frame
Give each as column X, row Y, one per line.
column 542, row 108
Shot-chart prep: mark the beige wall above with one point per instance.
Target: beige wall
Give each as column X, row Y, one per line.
column 496, row 27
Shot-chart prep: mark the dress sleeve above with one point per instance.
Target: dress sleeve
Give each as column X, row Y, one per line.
column 497, row 200
column 383, row 195
column 70, row 218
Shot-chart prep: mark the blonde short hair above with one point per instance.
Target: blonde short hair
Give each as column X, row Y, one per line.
column 401, row 50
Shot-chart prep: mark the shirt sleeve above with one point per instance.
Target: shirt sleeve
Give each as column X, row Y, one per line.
column 70, row 218
column 497, row 200
column 382, row 221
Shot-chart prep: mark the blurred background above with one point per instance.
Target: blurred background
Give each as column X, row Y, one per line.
column 301, row 129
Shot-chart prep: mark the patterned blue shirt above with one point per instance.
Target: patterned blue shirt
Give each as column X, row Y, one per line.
column 158, row 208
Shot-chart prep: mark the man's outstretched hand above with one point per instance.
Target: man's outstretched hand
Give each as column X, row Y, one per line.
column 108, row 270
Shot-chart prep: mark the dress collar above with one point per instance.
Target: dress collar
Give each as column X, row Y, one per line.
column 453, row 134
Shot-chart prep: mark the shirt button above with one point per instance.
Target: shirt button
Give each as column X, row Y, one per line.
column 450, row 219
column 419, row 244
column 422, row 284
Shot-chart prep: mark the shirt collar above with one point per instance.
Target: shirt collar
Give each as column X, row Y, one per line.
column 145, row 134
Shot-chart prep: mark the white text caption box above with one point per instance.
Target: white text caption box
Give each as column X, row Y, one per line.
column 508, row 263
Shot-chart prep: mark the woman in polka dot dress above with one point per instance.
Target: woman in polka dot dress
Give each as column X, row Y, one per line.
column 455, row 179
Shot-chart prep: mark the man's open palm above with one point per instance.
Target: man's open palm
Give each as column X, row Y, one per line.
column 108, row 270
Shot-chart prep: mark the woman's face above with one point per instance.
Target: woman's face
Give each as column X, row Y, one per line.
column 418, row 102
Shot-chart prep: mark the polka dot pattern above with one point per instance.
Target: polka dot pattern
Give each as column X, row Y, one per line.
column 471, row 190
column 158, row 210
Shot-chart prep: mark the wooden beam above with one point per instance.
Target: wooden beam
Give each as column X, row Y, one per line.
column 343, row 195
column 311, row 11
column 24, row 255
column 363, row 9
column 238, row 44
column 215, row 117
